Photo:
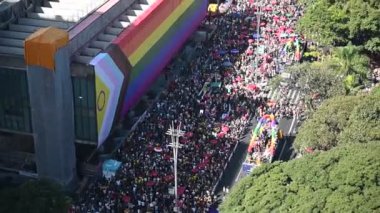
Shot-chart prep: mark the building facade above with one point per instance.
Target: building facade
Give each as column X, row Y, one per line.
column 68, row 79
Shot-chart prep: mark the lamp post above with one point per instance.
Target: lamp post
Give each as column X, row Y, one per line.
column 175, row 133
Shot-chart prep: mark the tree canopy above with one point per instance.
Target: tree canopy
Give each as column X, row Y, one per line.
column 322, row 129
column 344, row 179
column 34, row 197
column 364, row 122
column 340, row 22
column 349, row 62
column 317, row 79
column 342, row 119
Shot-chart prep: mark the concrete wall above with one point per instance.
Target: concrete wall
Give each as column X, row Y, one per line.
column 52, row 112
column 13, row 62
column 91, row 26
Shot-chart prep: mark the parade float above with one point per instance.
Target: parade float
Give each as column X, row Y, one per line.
column 262, row 146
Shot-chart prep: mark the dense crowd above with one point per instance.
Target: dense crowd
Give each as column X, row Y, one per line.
column 213, row 104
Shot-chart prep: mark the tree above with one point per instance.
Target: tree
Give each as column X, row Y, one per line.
column 364, row 122
column 344, row 179
column 34, row 197
column 349, row 62
column 321, row 131
column 343, row 119
column 340, row 22
column 318, row 81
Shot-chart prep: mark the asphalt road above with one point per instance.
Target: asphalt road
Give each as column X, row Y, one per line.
column 284, row 152
column 234, row 166
column 285, row 149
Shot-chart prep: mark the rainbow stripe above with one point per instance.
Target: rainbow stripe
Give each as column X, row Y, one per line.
column 153, row 40
column 108, row 84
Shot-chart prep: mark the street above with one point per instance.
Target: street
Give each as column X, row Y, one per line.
column 285, row 149
column 284, row 152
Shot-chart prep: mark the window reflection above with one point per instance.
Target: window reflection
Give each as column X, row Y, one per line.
column 14, row 101
column 84, row 108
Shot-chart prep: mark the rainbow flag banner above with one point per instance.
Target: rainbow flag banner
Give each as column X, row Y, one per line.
column 109, row 80
column 154, row 38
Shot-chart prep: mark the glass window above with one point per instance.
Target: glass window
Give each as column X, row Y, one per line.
column 14, row 101
column 84, row 108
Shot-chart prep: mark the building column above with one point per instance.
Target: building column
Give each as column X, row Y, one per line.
column 51, row 100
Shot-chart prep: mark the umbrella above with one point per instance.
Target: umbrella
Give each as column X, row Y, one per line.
column 273, row 2
column 250, row 41
column 189, row 134
column 150, row 183
column 249, row 52
column 154, row 173
column 181, row 190
column 263, row 24
column 157, row 149
column 256, row 36
column 167, row 157
column 234, row 51
column 227, row 64
column 184, row 140
column 221, row 135
column 126, row 199
column 236, row 15
column 168, row 178
column 222, row 52
column 252, row 87
column 268, row 8
column 225, row 129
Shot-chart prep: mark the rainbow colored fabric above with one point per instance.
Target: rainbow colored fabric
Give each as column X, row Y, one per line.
column 109, row 81
column 154, row 38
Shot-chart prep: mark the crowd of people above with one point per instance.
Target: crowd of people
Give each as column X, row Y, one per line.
column 214, row 105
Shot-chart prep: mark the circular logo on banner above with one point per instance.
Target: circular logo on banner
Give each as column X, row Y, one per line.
column 101, row 100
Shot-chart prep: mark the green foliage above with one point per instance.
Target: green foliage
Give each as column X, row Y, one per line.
column 349, row 62
column 322, row 130
column 364, row 122
column 344, row 179
column 376, row 91
column 346, row 119
column 317, row 79
column 342, row 73
column 34, row 197
column 340, row 22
